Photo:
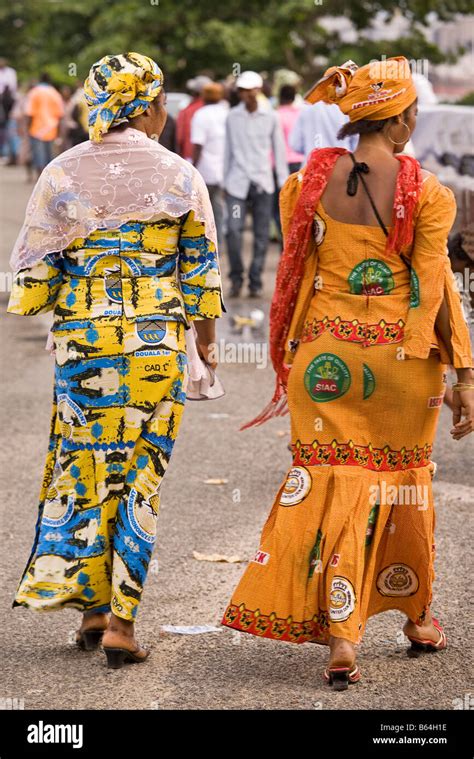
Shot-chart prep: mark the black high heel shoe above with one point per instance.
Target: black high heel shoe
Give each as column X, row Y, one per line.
column 117, row 657
column 89, row 640
column 341, row 677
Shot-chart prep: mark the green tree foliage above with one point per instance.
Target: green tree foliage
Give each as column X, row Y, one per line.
column 211, row 36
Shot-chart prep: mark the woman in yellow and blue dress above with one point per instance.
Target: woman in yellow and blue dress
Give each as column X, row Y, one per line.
column 122, row 297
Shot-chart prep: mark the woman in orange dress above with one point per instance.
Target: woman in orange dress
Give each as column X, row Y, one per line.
column 364, row 319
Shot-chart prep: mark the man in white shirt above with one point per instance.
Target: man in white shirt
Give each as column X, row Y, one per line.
column 7, row 77
column 317, row 127
column 253, row 135
column 208, row 141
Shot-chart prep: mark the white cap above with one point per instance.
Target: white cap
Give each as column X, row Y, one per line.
column 198, row 82
column 249, row 80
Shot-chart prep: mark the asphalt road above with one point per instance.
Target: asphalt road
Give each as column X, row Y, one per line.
column 42, row 668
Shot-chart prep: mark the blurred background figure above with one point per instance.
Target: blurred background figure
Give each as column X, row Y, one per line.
column 66, row 93
column 287, row 112
column 76, row 117
column 183, row 122
column 20, row 121
column 8, row 92
column 253, row 133
column 63, row 142
column 208, row 146
column 265, row 95
column 168, row 135
column 287, row 76
column 44, row 109
column 7, row 77
column 232, row 94
column 461, row 256
column 317, row 127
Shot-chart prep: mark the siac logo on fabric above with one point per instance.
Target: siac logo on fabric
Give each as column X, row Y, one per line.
column 327, row 378
column 297, row 486
column 371, row 277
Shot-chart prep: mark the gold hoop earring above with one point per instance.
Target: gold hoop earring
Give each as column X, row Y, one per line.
column 394, row 142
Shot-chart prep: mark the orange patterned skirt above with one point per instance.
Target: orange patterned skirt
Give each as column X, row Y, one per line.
column 351, row 531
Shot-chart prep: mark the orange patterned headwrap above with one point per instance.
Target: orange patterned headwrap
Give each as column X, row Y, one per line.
column 376, row 91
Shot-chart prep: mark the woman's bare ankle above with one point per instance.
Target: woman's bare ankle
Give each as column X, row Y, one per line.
column 125, row 627
column 342, row 652
column 94, row 620
column 426, row 630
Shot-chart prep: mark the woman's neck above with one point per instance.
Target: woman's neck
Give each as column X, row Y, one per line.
column 138, row 124
column 369, row 143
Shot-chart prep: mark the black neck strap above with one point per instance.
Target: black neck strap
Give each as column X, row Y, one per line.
column 352, row 183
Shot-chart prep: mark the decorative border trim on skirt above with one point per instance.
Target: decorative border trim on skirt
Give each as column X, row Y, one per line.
column 366, row 456
column 315, row 630
column 383, row 333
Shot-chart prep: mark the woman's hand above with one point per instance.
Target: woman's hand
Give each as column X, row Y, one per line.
column 206, row 340
column 207, row 351
column 463, row 413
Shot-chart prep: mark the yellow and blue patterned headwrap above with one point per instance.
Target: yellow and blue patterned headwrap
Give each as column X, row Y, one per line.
column 120, row 87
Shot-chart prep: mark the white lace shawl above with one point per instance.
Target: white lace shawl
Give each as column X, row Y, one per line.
column 127, row 177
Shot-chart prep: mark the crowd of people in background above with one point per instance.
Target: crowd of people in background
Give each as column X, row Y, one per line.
column 245, row 135
column 242, row 135
column 38, row 120
column 245, row 139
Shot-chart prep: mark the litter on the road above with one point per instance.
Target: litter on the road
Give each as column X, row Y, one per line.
column 191, row 629
column 215, row 482
column 216, row 557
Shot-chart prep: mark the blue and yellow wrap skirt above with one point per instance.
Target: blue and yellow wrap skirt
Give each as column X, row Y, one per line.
column 121, row 302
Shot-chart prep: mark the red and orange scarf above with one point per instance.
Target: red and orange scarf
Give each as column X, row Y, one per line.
column 291, row 267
